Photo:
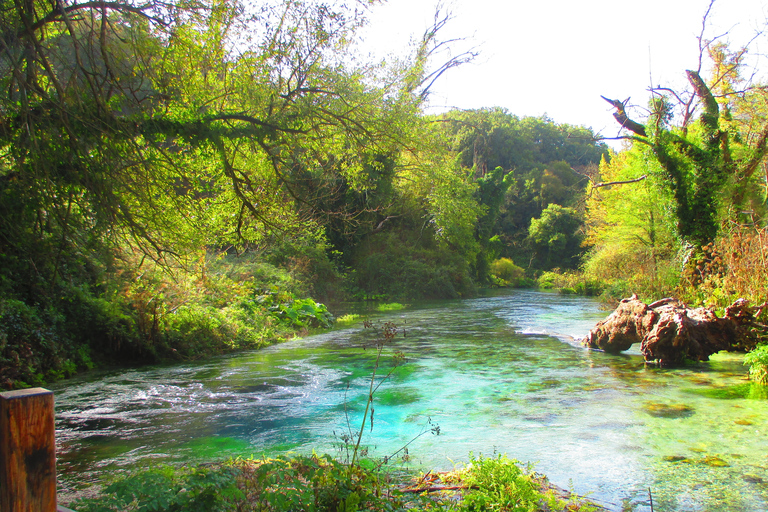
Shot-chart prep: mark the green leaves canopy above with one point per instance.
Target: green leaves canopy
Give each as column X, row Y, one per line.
column 177, row 125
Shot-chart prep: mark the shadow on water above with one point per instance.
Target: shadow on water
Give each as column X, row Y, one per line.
column 497, row 374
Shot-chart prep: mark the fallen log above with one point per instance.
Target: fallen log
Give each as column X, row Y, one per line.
column 669, row 332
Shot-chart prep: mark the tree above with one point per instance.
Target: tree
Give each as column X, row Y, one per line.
column 543, row 161
column 162, row 130
column 629, row 232
column 170, row 127
column 701, row 157
column 555, row 236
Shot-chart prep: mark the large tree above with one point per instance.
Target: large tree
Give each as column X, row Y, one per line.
column 170, row 126
column 703, row 157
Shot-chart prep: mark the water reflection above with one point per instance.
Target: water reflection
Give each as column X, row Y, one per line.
column 498, row 374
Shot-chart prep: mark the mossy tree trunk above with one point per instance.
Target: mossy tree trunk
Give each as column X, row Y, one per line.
column 671, row 333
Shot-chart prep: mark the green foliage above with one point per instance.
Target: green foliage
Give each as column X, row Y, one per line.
column 555, row 236
column 757, row 360
column 569, row 282
column 543, row 163
column 348, row 319
column 294, row 312
column 498, row 484
column 507, row 273
column 146, row 313
column 396, row 268
column 659, row 232
column 633, row 248
column 391, row 306
column 169, row 489
column 181, row 144
column 311, row 484
column 30, row 344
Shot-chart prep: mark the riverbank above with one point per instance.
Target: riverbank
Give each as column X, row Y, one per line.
column 324, row 484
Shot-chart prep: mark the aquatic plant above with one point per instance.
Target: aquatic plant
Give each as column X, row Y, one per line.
column 661, row 410
column 390, row 306
column 758, row 364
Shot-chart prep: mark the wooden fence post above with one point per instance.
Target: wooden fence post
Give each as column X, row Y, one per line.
column 27, row 451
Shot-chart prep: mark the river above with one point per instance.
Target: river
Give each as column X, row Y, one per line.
column 499, row 374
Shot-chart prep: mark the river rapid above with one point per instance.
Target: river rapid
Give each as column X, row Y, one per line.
column 500, row 374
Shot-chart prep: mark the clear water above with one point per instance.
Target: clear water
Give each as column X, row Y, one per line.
column 498, row 374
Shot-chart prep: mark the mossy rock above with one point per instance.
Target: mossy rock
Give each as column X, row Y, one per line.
column 660, row 410
column 708, row 460
column 713, row 461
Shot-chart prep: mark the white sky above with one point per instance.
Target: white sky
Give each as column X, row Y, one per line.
column 557, row 57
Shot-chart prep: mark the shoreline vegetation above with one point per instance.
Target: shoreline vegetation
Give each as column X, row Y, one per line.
column 241, row 302
column 322, row 484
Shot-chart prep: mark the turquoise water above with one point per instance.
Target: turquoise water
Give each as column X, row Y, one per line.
column 499, row 374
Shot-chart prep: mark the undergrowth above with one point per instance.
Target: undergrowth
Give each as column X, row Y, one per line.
column 322, row 484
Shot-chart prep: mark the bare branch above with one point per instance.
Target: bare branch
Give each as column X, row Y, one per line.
column 621, row 116
column 611, row 183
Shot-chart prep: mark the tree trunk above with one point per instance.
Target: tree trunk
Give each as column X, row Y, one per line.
column 669, row 332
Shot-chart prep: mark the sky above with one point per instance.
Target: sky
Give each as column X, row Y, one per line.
column 557, row 57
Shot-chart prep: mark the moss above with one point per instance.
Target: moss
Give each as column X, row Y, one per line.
column 749, row 390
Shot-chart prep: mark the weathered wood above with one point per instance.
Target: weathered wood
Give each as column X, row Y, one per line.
column 27, row 451
column 669, row 332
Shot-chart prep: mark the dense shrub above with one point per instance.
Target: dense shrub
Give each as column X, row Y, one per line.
column 322, row 484
column 757, row 360
column 144, row 312
column 507, row 273
column 569, row 283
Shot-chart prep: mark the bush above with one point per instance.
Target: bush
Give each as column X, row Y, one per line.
column 169, row 489
column 758, row 364
column 569, row 283
column 35, row 346
column 732, row 267
column 505, row 270
column 500, row 484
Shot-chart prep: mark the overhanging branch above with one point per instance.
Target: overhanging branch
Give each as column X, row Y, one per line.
column 621, row 116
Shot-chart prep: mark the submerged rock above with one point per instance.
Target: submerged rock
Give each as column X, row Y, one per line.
column 669, row 332
column 660, row 410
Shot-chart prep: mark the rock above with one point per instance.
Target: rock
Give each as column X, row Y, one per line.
column 669, row 332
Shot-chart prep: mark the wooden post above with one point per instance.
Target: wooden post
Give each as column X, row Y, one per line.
column 27, row 451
